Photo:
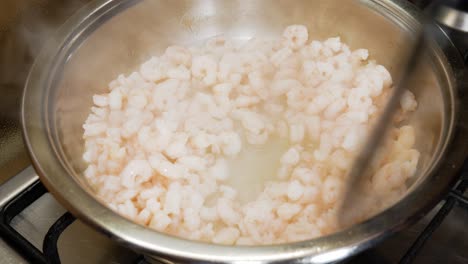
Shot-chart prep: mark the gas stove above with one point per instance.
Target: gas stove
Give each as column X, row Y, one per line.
column 35, row 228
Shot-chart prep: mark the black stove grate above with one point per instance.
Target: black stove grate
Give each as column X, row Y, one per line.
column 50, row 254
column 11, row 236
column 455, row 196
column 50, row 248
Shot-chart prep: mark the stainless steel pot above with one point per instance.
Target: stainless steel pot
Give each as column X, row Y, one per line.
column 110, row 37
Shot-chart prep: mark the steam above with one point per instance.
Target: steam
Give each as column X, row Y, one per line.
column 24, row 28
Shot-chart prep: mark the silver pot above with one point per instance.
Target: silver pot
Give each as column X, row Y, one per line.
column 110, row 37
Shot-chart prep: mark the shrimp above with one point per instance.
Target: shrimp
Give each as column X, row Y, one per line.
column 295, row 36
column 205, row 68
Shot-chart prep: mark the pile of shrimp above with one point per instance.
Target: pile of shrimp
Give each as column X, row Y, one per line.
column 158, row 145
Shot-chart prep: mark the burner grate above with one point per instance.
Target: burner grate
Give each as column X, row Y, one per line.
column 455, row 196
column 50, row 248
column 462, row 200
column 434, row 224
column 12, row 209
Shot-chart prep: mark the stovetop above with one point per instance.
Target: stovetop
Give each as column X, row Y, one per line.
column 35, row 228
column 42, row 231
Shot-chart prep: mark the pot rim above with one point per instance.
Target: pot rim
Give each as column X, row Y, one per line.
column 55, row 176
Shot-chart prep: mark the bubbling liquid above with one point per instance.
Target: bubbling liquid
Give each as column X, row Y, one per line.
column 255, row 166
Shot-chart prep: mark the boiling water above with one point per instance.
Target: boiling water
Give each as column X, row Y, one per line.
column 255, row 165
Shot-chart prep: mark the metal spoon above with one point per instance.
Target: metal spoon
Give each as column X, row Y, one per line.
column 357, row 174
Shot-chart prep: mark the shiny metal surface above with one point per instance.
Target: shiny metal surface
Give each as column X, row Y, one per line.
column 453, row 18
column 13, row 155
column 35, row 220
column 60, row 86
column 17, row 184
column 79, row 244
